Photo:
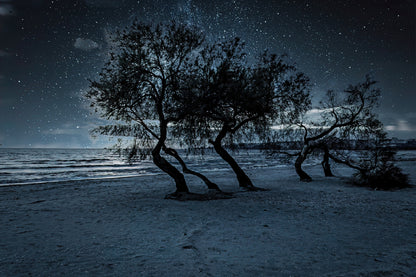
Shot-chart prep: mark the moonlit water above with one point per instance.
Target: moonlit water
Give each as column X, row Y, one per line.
column 29, row 166
column 34, row 166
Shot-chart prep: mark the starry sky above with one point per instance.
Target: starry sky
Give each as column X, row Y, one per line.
column 48, row 50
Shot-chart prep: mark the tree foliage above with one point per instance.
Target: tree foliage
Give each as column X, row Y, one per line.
column 136, row 86
column 230, row 100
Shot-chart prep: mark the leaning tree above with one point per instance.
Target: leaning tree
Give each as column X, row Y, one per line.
column 231, row 99
column 138, row 85
column 347, row 118
column 342, row 113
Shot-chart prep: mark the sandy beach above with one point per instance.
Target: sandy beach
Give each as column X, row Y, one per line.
column 125, row 227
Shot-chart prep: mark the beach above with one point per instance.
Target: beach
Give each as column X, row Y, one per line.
column 125, row 227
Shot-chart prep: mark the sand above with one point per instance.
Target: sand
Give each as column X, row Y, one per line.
column 125, row 227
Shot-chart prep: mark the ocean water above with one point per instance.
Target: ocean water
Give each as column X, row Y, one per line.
column 36, row 166
column 30, row 166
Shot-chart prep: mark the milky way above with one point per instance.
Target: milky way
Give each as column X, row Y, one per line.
column 49, row 49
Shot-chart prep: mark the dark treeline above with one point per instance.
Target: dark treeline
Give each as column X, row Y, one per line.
column 166, row 86
column 340, row 144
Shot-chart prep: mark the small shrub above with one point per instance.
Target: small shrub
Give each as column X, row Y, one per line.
column 387, row 177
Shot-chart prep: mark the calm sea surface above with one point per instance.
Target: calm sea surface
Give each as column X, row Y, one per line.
column 32, row 166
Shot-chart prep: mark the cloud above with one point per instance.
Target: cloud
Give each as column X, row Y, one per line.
column 59, row 131
column 70, row 135
column 85, row 44
column 65, row 129
column 70, row 129
column 6, row 10
column 402, row 125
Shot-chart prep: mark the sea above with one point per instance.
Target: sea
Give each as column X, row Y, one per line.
column 37, row 166
column 28, row 166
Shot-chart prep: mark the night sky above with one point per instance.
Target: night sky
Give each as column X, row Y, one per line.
column 48, row 50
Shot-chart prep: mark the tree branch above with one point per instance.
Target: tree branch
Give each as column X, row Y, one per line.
column 143, row 124
column 239, row 125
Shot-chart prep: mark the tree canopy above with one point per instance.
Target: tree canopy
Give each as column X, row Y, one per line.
column 165, row 82
column 231, row 98
column 136, row 86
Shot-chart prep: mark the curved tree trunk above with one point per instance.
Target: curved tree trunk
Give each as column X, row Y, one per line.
column 304, row 177
column 164, row 165
column 185, row 169
column 243, row 180
column 325, row 163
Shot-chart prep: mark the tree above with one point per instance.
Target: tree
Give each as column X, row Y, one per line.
column 349, row 117
column 342, row 116
column 231, row 99
column 137, row 86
